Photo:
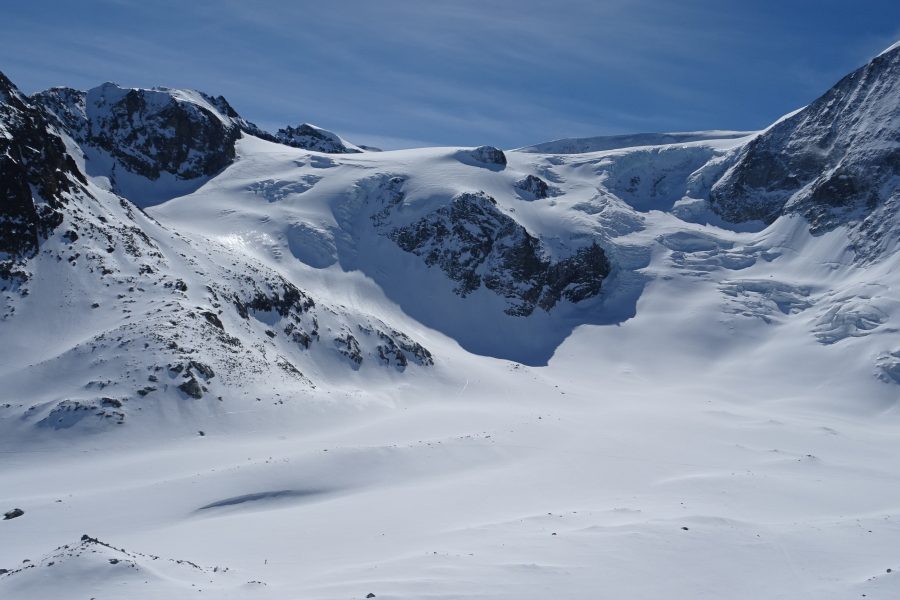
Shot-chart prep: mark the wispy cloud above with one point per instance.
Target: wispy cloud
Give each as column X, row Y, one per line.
column 508, row 72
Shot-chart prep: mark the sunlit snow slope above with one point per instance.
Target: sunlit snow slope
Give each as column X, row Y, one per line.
column 651, row 366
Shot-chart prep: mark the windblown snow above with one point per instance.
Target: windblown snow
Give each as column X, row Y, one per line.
column 554, row 372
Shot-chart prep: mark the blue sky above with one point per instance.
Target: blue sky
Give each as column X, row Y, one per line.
column 399, row 73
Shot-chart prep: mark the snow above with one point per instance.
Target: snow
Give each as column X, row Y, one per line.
column 890, row 48
column 720, row 422
column 614, row 142
column 100, row 98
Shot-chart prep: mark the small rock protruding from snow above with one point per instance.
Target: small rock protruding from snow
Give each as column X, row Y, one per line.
column 12, row 514
column 192, row 388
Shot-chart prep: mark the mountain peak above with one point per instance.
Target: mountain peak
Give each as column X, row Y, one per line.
column 831, row 161
column 311, row 137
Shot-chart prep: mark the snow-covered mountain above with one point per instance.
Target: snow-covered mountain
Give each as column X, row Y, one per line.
column 310, row 137
column 547, row 372
column 152, row 144
column 161, row 316
column 836, row 162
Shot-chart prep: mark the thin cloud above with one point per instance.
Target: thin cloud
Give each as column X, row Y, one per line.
column 508, row 72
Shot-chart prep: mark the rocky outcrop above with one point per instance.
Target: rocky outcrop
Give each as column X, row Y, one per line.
column 150, row 131
column 532, row 187
column 192, row 388
column 487, row 155
column 476, row 245
column 310, row 137
column 834, row 162
column 36, row 175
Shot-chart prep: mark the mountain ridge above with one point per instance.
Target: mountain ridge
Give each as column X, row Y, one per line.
column 504, row 253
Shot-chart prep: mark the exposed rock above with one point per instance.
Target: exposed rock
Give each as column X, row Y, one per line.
column 213, row 319
column 150, row 131
column 476, row 244
column 289, row 299
column 348, row 346
column 36, row 176
column 533, row 187
column 398, row 349
column 488, row 155
column 205, row 371
column 192, row 388
column 12, row 514
column 310, row 137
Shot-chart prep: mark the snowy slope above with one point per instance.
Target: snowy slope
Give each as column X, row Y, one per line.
column 614, row 142
column 452, row 372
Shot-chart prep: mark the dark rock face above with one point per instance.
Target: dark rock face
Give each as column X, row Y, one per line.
column 310, row 137
column 205, row 371
column 192, row 388
column 488, row 155
column 151, row 131
column 36, row 174
column 833, row 162
column 283, row 297
column 213, row 319
column 475, row 244
column 533, row 187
